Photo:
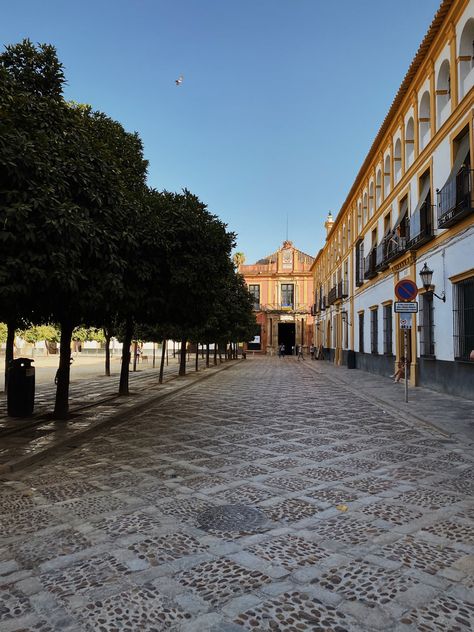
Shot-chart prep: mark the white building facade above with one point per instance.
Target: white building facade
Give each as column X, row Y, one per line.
column 411, row 204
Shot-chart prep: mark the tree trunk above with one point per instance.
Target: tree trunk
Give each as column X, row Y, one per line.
column 220, row 353
column 215, row 353
column 182, row 358
column 61, row 406
column 9, row 348
column 135, row 355
column 154, row 355
column 108, row 336
column 197, row 357
column 207, row 356
column 125, row 368
column 162, row 363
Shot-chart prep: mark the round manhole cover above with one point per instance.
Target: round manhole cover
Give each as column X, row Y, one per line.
column 231, row 518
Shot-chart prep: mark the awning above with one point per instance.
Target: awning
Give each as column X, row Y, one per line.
column 461, row 155
column 401, row 214
column 423, row 195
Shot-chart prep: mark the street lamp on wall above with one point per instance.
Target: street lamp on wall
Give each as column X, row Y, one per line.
column 426, row 275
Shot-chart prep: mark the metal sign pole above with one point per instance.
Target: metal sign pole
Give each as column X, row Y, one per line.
column 406, row 364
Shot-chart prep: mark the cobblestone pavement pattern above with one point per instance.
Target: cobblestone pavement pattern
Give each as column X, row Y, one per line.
column 265, row 498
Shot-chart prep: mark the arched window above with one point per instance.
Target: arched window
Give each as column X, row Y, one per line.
column 425, row 119
column 397, row 161
column 466, row 58
column 371, row 198
column 443, row 93
column 386, row 176
column 365, row 208
column 378, row 188
column 409, row 142
column 359, row 217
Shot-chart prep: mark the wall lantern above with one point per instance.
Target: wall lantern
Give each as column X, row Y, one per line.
column 426, row 276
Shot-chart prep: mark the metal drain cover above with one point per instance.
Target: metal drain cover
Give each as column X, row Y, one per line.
column 231, row 518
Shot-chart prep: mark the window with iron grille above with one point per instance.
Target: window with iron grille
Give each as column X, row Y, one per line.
column 427, row 345
column 387, row 329
column 361, row 332
column 255, row 292
column 463, row 307
column 374, row 330
column 359, row 263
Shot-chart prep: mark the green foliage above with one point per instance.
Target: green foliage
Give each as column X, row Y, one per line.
column 84, row 334
column 47, row 333
column 3, row 332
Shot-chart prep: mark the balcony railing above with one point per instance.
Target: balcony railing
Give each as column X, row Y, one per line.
column 332, row 295
column 391, row 247
column 342, row 289
column 455, row 198
column 370, row 264
column 300, row 308
column 421, row 226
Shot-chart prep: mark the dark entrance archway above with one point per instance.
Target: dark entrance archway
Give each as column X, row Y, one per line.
column 286, row 336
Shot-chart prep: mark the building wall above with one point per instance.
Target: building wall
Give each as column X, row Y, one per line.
column 287, row 265
column 433, row 105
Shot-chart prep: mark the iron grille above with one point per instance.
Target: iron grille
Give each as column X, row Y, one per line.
column 427, row 346
column 374, row 331
column 463, row 311
column 387, row 329
column 361, row 333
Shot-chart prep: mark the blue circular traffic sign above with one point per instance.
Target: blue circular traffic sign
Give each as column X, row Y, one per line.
column 406, row 290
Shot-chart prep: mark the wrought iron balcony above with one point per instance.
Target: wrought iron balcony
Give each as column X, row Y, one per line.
column 370, row 264
column 342, row 289
column 421, row 226
column 389, row 249
column 332, row 295
column 455, row 198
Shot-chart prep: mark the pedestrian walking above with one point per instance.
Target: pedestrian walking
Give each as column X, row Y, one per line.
column 311, row 351
column 299, row 349
column 281, row 351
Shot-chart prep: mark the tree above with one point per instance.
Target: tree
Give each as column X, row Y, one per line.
column 31, row 80
column 68, row 185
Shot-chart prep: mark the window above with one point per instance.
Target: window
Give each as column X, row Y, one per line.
column 425, row 119
column 359, row 263
column 427, row 347
column 374, row 330
column 361, row 332
column 387, row 329
column 287, row 295
column 464, row 318
column 255, row 293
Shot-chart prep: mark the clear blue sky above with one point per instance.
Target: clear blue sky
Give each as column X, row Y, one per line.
column 280, row 102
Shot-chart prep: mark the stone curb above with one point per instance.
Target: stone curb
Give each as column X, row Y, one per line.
column 113, row 419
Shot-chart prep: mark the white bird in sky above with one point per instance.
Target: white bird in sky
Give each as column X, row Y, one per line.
column 179, row 80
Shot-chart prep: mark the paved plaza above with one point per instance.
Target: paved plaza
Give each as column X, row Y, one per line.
column 266, row 498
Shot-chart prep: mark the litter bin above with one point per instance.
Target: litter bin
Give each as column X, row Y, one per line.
column 351, row 359
column 21, row 388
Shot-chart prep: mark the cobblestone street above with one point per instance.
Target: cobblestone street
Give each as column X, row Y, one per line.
column 266, row 498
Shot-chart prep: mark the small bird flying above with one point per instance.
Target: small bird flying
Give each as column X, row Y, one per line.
column 179, row 80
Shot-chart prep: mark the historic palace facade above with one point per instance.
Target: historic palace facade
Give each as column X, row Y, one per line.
column 411, row 209
column 282, row 288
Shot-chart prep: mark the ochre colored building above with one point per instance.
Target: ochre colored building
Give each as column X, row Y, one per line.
column 282, row 287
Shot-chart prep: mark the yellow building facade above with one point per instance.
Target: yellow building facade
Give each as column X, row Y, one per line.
column 282, row 288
